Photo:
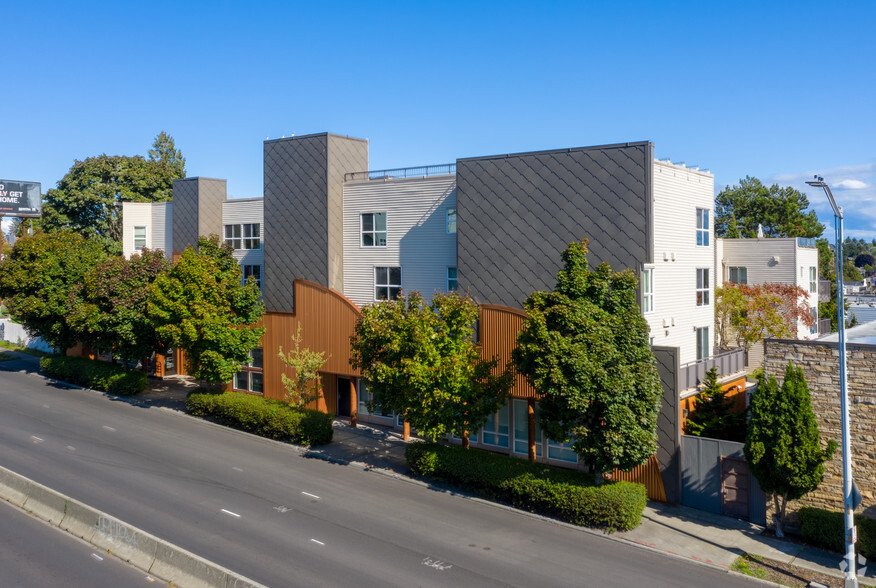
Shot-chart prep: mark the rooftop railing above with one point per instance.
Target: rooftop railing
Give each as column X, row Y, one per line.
column 806, row 242
column 423, row 171
column 728, row 362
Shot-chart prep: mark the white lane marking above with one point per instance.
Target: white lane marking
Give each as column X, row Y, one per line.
column 237, row 469
column 110, row 429
column 36, row 439
column 311, row 495
column 228, row 512
column 97, row 557
column 434, row 563
column 317, row 542
column 282, row 508
column 71, row 448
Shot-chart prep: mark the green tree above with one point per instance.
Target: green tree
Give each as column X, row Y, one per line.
column 781, row 211
column 164, row 151
column 851, row 273
column 38, row 280
column 783, row 446
column 585, row 349
column 111, row 314
column 421, row 361
column 713, row 415
column 201, row 306
column 306, row 386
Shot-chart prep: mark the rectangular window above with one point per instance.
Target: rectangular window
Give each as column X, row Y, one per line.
column 139, row 238
column 451, row 220
column 521, row 429
column 703, row 351
column 245, row 236
column 561, row 451
column 255, row 271
column 496, row 429
column 739, row 275
column 365, row 397
column 814, row 328
column 250, row 378
column 373, row 229
column 648, row 290
column 387, row 283
column 813, row 279
column 232, row 236
column 702, row 286
column 702, row 227
column 451, row 279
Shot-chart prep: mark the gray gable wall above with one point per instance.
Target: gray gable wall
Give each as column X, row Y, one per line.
column 198, row 210
column 517, row 213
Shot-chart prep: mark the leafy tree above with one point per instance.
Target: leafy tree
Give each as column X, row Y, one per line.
column 585, row 349
column 38, row 279
column 781, row 211
column 112, row 315
column 851, row 273
column 421, row 361
column 200, row 305
column 782, row 446
column 713, row 415
column 87, row 199
column 306, row 386
column 164, row 151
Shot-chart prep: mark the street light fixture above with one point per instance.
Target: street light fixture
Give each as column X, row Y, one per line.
column 851, row 579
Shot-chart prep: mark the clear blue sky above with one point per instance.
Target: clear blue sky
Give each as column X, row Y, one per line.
column 776, row 90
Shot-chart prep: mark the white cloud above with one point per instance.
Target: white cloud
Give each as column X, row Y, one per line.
column 851, row 185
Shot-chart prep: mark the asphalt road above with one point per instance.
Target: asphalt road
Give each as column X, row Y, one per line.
column 33, row 554
column 265, row 511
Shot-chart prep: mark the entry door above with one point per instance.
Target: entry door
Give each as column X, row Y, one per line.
column 344, row 397
column 735, row 488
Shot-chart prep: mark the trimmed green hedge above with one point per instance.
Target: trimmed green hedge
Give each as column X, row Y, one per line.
column 273, row 419
column 568, row 495
column 95, row 374
column 825, row 528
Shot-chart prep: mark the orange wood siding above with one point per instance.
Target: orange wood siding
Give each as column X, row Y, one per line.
column 647, row 474
column 498, row 330
column 735, row 389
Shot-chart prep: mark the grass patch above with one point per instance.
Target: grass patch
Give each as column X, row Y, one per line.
column 782, row 573
column 7, row 357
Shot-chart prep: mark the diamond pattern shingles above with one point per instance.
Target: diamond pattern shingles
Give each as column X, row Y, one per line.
column 185, row 213
column 668, row 426
column 211, row 194
column 517, row 213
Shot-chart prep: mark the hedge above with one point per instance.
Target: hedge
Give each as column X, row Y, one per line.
column 825, row 528
column 568, row 495
column 269, row 418
column 95, row 374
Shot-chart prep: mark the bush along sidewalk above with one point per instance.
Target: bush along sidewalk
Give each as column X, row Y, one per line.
column 824, row 528
column 265, row 417
column 98, row 375
column 567, row 495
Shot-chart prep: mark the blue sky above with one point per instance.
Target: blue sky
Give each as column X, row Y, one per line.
column 777, row 90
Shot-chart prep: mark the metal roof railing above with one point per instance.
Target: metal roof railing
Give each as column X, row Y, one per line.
column 403, row 172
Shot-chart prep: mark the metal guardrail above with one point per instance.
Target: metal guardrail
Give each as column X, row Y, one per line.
column 423, row 171
column 824, row 327
column 728, row 362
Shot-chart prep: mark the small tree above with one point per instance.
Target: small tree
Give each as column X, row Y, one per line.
column 782, row 446
column 421, row 361
column 713, row 415
column 306, row 386
column 585, row 349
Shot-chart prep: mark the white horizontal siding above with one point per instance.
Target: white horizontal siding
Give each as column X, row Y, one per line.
column 417, row 238
column 246, row 211
column 678, row 192
column 155, row 216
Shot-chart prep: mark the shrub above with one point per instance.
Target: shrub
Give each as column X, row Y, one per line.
column 265, row 417
column 565, row 494
column 825, row 528
column 98, row 375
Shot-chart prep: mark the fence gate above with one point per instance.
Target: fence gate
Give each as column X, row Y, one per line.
column 735, row 488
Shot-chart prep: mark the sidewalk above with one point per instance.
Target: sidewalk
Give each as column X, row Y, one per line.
column 681, row 531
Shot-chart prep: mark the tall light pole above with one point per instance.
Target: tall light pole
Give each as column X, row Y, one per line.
column 851, row 579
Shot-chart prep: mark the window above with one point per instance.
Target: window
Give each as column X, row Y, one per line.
column 365, row 397
column 702, row 286
column 814, row 328
column 813, row 279
column 255, row 271
column 521, row 429
column 496, row 429
column 374, row 229
column 451, row 279
column 648, row 290
column 703, row 351
column 245, row 236
column 387, row 283
column 739, row 275
column 250, row 378
column 451, row 220
column 702, row 227
column 139, row 238
column 561, row 451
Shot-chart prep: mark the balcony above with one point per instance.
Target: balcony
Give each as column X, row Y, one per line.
column 806, row 242
column 423, row 171
column 728, row 362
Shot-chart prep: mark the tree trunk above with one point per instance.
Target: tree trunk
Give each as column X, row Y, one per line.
column 465, row 439
column 779, row 515
column 530, row 422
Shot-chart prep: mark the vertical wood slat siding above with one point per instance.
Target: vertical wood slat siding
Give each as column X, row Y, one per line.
column 647, row 474
column 498, row 330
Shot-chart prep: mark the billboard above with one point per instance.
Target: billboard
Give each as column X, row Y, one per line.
column 20, row 198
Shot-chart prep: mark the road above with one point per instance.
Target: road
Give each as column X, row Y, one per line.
column 265, row 511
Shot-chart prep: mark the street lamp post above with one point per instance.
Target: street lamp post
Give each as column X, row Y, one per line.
column 851, row 579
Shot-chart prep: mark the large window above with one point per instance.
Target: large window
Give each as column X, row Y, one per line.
column 245, row 236
column 250, row 378
column 703, row 351
column 255, row 271
column 451, row 279
column 561, row 451
column 451, row 220
column 813, row 279
column 702, row 286
column 387, row 283
column 365, row 397
column 496, row 429
column 374, row 229
column 739, row 275
column 648, row 289
column 521, row 429
column 702, row 227
column 139, row 238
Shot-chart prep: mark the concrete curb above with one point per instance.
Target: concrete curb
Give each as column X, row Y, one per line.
column 156, row 557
